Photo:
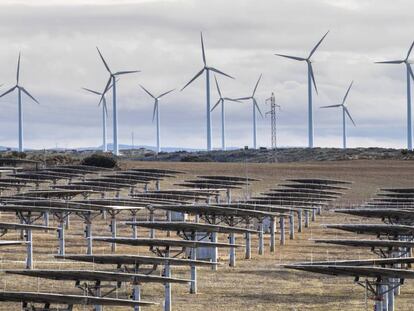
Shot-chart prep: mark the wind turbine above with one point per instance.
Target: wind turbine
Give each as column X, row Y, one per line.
column 345, row 111
column 104, row 116
column 254, row 106
column 207, row 70
column 112, row 79
column 409, row 73
column 223, row 121
column 156, row 113
column 311, row 80
column 20, row 89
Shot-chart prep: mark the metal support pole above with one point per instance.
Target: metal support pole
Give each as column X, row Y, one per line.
column 29, row 259
column 214, row 250
column 136, row 295
column 248, row 252
column 88, row 234
column 167, row 286
column 113, row 232
column 61, row 235
column 151, row 217
column 313, row 214
column 300, row 221
column 261, row 239
column 306, row 218
column 232, row 259
column 134, row 228
column 46, row 218
column 291, row 226
column 67, row 219
column 157, row 185
column 228, row 195
column 272, row 234
column 193, row 283
column 391, row 296
column 282, row 230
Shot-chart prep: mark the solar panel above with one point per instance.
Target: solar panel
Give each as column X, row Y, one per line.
column 68, row 299
column 189, row 227
column 136, row 260
column 92, row 275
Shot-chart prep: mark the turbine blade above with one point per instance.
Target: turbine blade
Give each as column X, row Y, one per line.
column 146, row 91
column 391, row 62
column 331, row 106
column 18, row 70
column 220, row 72
column 217, row 85
column 202, row 49
column 317, row 45
column 28, row 94
column 313, row 78
column 349, row 115
column 232, row 99
column 409, row 50
column 9, row 91
column 257, row 83
column 291, row 57
column 243, row 98
column 105, row 107
column 103, row 60
column 165, row 93
column 257, row 106
column 125, row 72
column 155, row 110
column 218, row 102
column 105, row 89
column 91, row 91
column 347, row 92
column 195, row 77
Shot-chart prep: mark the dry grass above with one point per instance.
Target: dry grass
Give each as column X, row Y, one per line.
column 256, row 284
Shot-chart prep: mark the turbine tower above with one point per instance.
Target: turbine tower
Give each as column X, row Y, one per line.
column 254, row 106
column 207, row 70
column 311, row 80
column 156, row 113
column 223, row 119
column 104, row 116
column 20, row 89
column 112, row 79
column 345, row 111
column 409, row 73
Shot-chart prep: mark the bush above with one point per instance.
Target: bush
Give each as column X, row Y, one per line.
column 192, row 158
column 19, row 155
column 100, row 160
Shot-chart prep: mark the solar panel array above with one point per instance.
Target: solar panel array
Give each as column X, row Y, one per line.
column 200, row 212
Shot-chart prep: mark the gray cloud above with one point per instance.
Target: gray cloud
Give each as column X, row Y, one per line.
column 161, row 38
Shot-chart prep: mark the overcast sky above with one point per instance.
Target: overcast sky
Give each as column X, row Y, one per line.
column 161, row 38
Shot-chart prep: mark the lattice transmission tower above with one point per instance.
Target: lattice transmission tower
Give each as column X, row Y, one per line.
column 272, row 113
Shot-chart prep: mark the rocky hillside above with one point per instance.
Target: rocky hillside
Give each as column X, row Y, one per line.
column 268, row 155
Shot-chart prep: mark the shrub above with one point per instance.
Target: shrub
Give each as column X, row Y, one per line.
column 100, row 160
column 192, row 158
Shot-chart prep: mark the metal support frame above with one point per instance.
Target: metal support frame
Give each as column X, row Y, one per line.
column 306, row 218
column 291, row 226
column 193, row 283
column 272, row 234
column 261, row 239
column 282, row 230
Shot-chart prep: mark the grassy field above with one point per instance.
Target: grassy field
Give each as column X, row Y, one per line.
column 256, row 284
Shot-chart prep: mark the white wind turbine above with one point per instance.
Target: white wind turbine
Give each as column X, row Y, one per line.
column 207, row 70
column 345, row 111
column 311, row 80
column 112, row 79
column 223, row 119
column 410, row 76
column 156, row 113
column 20, row 89
column 104, row 116
column 254, row 107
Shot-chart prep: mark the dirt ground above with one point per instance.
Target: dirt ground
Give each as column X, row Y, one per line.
column 256, row 284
